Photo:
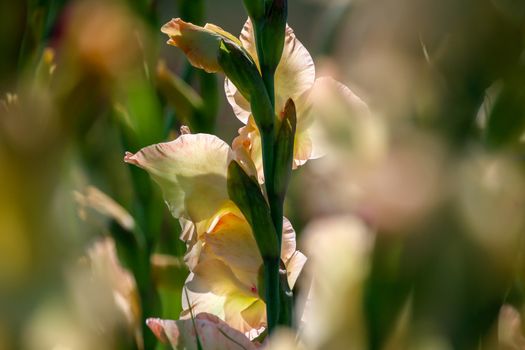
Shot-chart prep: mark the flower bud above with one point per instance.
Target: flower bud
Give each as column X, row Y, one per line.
column 240, row 68
column 284, row 147
column 272, row 33
column 200, row 44
column 255, row 9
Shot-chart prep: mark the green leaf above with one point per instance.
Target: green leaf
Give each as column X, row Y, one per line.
column 139, row 109
column 182, row 97
column 506, row 120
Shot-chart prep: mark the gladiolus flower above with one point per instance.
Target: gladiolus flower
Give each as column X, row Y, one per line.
column 191, row 172
column 223, row 255
column 206, row 329
column 295, row 79
column 225, row 280
column 200, row 44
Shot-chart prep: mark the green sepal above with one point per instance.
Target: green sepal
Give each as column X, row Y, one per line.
column 245, row 192
column 284, row 146
column 240, row 68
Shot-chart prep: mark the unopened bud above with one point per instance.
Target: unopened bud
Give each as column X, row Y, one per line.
column 255, row 9
column 284, row 147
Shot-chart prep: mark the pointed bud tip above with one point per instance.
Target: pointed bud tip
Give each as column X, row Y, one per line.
column 156, row 326
column 172, row 27
column 185, row 130
column 130, row 158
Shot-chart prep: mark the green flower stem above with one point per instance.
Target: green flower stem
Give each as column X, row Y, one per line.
column 272, row 291
column 269, row 40
column 268, row 75
column 276, row 200
column 271, row 266
column 245, row 192
column 286, row 299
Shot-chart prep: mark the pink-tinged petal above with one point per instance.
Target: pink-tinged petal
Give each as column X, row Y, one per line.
column 105, row 267
column 200, row 44
column 293, row 259
column 339, row 250
column 93, row 200
column 317, row 108
column 245, row 161
column 330, row 109
column 241, row 106
column 510, row 335
column 323, row 113
column 288, row 245
column 249, row 142
column 166, row 331
column 294, row 267
column 295, row 73
column 191, row 172
column 294, row 76
column 247, row 39
column 193, row 253
column 330, row 96
column 188, row 230
column 206, row 329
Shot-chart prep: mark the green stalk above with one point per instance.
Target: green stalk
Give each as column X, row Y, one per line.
column 268, row 66
column 268, row 141
column 272, row 292
column 246, row 193
column 269, row 22
column 271, row 266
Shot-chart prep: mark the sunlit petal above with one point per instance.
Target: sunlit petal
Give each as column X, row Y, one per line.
column 212, row 333
column 200, row 44
column 191, row 172
column 231, row 240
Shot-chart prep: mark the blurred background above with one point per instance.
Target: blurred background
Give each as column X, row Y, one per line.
column 417, row 210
